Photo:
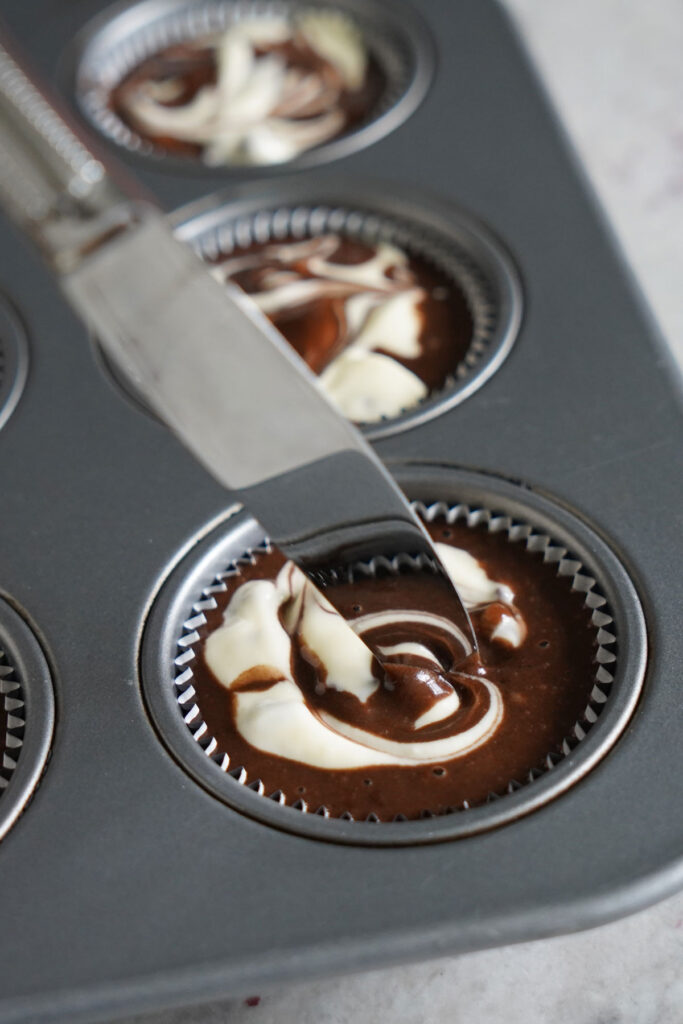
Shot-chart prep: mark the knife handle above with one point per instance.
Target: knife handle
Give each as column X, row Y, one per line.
column 51, row 181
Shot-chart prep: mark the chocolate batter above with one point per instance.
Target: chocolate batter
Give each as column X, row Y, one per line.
column 545, row 685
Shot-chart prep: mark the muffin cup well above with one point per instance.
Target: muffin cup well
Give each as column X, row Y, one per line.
column 456, row 244
column 13, row 360
column 111, row 46
column 28, row 702
column 543, row 527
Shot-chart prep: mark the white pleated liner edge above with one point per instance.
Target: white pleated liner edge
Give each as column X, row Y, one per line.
column 12, row 700
column 101, row 70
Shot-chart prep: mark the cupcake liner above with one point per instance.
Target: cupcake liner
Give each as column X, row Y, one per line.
column 119, row 44
column 518, row 532
column 12, row 719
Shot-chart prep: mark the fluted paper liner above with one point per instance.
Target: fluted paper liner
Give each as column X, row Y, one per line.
column 14, row 359
column 519, row 532
column 12, row 702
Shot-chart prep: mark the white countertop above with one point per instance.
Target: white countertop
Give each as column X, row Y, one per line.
column 615, row 71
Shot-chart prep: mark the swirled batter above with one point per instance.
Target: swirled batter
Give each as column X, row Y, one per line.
column 262, row 92
column 382, row 328
column 290, row 697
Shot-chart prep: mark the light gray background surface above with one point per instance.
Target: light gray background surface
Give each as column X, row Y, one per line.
column 614, row 70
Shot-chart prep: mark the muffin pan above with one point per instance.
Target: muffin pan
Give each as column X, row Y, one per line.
column 163, row 893
column 115, row 44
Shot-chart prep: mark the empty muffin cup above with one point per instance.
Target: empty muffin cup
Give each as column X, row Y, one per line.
column 425, row 751
column 224, row 83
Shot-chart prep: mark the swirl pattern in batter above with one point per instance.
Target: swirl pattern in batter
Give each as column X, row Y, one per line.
column 289, row 695
column 383, row 328
column 262, row 92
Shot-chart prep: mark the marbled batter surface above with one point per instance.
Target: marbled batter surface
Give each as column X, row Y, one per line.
column 543, row 685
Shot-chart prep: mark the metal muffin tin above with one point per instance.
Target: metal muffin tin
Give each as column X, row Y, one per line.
column 13, row 360
column 26, row 692
column 166, row 659
column 113, row 45
column 163, row 894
